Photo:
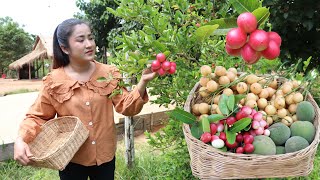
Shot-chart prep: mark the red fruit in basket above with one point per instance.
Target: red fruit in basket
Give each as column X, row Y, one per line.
column 232, row 52
column 239, row 138
column 213, row 128
column 223, row 136
column 240, row 115
column 236, row 38
column 232, row 146
column 273, row 36
column 214, row 137
column 258, row 116
column 248, row 148
column 248, row 139
column 253, row 112
column 161, row 57
column 155, row 65
column 263, row 123
column 240, row 150
column 166, row 65
column 246, row 109
column 272, row 51
column 161, row 72
column 259, row 40
column 205, row 137
column 246, row 133
column 220, row 127
column 231, row 120
column 255, row 124
column 259, row 131
column 247, row 22
column 249, row 55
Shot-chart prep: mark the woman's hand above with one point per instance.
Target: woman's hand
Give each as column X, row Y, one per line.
column 22, row 152
column 148, row 75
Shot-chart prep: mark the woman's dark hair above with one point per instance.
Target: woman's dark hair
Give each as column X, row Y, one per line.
column 60, row 38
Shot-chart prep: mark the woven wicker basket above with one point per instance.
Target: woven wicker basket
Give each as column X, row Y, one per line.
column 210, row 163
column 58, row 141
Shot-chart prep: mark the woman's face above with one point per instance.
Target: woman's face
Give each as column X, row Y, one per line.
column 81, row 44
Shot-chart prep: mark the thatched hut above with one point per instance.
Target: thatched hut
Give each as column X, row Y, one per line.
column 41, row 50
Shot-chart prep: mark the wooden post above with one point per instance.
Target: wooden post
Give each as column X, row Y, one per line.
column 43, row 68
column 29, row 71
column 129, row 133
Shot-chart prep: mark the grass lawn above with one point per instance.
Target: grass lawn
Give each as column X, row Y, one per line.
column 147, row 166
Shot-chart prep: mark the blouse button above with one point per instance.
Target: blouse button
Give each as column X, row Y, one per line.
column 87, row 103
column 90, row 123
column 93, row 142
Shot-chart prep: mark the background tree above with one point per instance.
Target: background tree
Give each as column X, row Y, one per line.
column 298, row 23
column 14, row 42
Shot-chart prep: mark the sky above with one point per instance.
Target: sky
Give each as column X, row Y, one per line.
column 38, row 16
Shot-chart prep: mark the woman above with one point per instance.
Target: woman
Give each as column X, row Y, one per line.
column 72, row 89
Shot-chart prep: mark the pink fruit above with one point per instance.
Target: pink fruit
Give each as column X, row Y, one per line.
column 266, row 132
column 259, row 131
column 257, row 116
column 155, row 65
column 239, row 138
column 161, row 72
column 255, row 124
column 166, row 65
column 263, row 123
column 223, row 136
column 173, row 64
column 246, row 109
column 232, row 146
column 272, row 51
column 233, row 52
column 240, row 115
column 259, row 40
column 252, row 132
column 220, row 127
column 240, row 150
column 253, row 112
column 172, row 70
column 205, row 137
column 247, row 22
column 161, row 57
column 213, row 128
column 273, row 36
column 231, row 120
column 249, row 55
column 248, row 148
column 214, row 137
column 248, row 139
column 236, row 38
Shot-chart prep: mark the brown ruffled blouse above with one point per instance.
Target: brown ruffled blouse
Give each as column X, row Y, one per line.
column 63, row 96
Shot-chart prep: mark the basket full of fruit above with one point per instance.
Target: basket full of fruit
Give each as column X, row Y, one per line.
column 242, row 125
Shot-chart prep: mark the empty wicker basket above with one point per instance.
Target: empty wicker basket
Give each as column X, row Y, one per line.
column 58, row 141
column 210, row 163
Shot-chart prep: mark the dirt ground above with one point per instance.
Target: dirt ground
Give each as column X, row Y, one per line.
column 9, row 85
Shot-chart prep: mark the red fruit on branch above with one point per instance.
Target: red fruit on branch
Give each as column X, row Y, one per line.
column 161, row 57
column 273, row 36
column 232, row 52
column 239, row 138
column 155, row 65
column 161, row 72
column 172, row 70
column 173, row 64
column 259, row 40
column 231, row 120
column 272, row 51
column 236, row 38
column 166, row 65
column 247, row 22
column 249, row 55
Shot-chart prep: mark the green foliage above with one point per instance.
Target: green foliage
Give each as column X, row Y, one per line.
column 298, row 24
column 14, row 42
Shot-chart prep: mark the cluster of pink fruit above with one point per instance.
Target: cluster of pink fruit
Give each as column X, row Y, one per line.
column 260, row 43
column 244, row 139
column 162, row 66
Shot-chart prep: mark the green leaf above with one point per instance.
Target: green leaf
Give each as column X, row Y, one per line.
column 261, row 14
column 224, row 23
column 215, row 117
column 196, row 130
column 223, row 149
column 159, row 46
column 101, row 79
column 204, row 32
column 306, row 63
column 230, row 102
column 238, row 98
column 142, row 61
column 205, row 124
column 231, row 136
column 240, row 125
column 223, row 104
column 245, row 5
column 247, row 128
column 183, row 116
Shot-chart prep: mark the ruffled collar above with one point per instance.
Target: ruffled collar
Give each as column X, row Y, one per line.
column 61, row 86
